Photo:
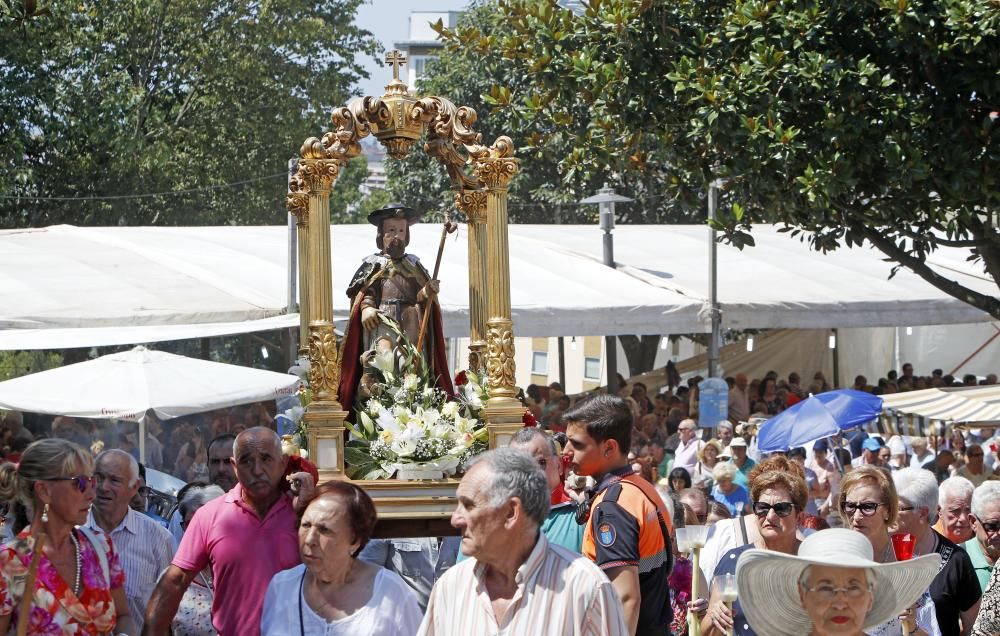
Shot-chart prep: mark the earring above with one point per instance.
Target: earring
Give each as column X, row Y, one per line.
column 45, row 514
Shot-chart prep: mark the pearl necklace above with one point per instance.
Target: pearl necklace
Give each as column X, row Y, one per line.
column 79, row 562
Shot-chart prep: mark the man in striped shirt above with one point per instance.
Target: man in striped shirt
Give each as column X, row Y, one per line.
column 516, row 581
column 144, row 547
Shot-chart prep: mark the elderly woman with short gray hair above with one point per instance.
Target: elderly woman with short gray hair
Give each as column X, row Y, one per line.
column 194, row 614
column 955, row 591
column 727, row 492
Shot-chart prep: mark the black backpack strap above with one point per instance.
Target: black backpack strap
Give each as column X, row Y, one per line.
column 612, row 494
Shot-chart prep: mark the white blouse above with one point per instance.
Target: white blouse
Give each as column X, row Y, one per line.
column 392, row 609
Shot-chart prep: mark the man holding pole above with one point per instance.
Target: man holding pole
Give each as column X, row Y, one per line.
column 393, row 284
column 629, row 530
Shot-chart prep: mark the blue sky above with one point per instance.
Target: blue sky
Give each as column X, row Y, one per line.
column 389, row 21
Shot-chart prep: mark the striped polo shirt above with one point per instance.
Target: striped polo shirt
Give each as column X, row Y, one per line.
column 559, row 593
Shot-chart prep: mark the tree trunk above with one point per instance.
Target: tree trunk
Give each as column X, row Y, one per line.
column 640, row 352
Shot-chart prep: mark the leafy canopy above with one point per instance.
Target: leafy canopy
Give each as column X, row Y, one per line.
column 851, row 120
column 200, row 103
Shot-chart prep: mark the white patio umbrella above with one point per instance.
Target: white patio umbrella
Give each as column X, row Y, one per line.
column 127, row 385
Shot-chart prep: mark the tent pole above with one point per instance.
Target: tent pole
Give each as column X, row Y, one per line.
column 562, row 362
column 713, row 287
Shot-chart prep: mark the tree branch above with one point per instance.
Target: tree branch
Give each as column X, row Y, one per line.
column 931, row 238
column 989, row 304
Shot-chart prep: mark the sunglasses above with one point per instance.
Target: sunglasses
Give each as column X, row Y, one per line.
column 867, row 508
column 82, row 482
column 782, row 508
column 990, row 526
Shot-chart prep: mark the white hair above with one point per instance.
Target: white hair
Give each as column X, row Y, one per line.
column 987, row 493
column 516, row 474
column 955, row 487
column 919, row 487
column 133, row 465
column 724, row 470
column 198, row 497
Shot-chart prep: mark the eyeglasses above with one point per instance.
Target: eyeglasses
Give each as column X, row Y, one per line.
column 906, row 508
column 82, row 482
column 867, row 508
column 782, row 508
column 991, row 527
column 826, row 592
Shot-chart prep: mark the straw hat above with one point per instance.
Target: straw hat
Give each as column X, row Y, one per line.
column 714, row 443
column 768, row 581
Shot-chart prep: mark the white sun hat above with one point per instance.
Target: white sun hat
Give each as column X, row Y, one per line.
column 768, row 582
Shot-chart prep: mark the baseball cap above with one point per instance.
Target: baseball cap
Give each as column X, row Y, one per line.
column 738, row 441
column 871, row 444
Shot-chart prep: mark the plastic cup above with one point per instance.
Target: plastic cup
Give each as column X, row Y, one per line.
column 902, row 545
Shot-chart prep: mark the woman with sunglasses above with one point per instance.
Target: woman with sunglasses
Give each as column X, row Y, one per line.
column 778, row 502
column 869, row 505
column 79, row 587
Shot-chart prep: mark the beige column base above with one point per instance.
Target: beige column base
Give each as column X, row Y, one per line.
column 503, row 420
column 326, row 439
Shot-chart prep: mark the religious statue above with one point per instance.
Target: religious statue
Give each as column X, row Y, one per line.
column 394, row 284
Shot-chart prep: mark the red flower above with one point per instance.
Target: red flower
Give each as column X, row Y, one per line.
column 528, row 419
column 461, row 378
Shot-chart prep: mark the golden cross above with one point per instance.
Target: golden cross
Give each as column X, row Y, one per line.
column 396, row 59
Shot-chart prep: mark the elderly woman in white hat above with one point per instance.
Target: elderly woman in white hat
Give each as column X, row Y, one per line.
column 832, row 586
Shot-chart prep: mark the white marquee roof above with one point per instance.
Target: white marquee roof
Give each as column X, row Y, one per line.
column 67, row 286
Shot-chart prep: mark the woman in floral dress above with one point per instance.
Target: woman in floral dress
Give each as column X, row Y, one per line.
column 79, row 584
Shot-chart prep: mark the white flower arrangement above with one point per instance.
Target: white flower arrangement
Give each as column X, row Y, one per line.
column 410, row 423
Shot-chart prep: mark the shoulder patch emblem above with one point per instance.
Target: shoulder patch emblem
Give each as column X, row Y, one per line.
column 606, row 535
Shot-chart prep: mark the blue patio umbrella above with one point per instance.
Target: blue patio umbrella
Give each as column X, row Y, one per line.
column 817, row 417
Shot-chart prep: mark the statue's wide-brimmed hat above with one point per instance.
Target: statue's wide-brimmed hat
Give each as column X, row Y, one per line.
column 394, row 211
column 768, row 581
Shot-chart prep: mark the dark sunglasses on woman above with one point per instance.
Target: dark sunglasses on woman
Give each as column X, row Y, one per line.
column 782, row 508
column 82, row 482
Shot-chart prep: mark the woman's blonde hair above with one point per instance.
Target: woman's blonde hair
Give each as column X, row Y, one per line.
column 879, row 479
column 714, row 443
column 42, row 460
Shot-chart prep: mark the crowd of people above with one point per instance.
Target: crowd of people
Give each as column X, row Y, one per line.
column 571, row 529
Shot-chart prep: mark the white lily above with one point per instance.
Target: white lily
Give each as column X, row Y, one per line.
column 384, row 361
column 450, row 409
column 403, row 447
column 471, row 396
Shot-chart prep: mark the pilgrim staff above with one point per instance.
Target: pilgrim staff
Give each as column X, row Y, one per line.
column 447, row 229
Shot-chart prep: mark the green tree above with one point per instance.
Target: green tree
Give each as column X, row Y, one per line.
column 110, row 104
column 852, row 121
column 473, row 71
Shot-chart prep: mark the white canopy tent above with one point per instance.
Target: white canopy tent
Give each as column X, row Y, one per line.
column 130, row 384
column 66, row 286
column 953, row 404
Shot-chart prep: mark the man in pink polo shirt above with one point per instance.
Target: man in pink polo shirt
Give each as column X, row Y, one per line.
column 248, row 536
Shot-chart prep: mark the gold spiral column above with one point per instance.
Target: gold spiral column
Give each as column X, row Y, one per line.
column 473, row 204
column 503, row 411
column 325, row 416
column 298, row 206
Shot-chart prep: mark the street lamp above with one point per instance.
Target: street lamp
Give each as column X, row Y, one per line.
column 605, row 200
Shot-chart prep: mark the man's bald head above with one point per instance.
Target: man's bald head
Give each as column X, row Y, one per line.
column 260, row 465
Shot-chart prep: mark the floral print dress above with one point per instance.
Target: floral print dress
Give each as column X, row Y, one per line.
column 55, row 608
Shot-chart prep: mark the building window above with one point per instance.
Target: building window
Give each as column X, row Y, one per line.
column 540, row 363
column 592, row 368
column 417, row 63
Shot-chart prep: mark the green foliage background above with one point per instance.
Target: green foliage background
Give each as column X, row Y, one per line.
column 199, row 103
